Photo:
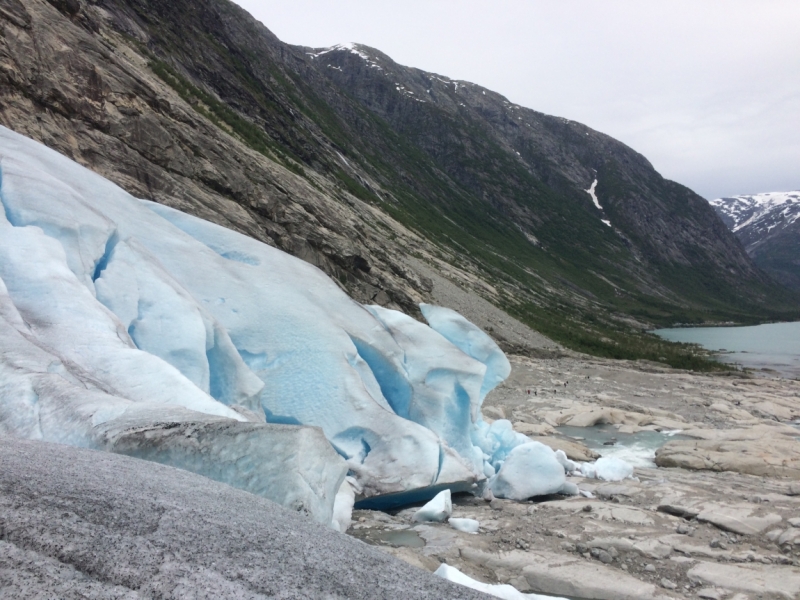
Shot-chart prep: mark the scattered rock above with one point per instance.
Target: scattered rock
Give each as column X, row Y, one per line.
column 614, row 490
column 738, row 519
column 670, row 585
column 535, row 429
column 560, row 575
column 716, row 543
column 771, row 456
column 602, row 556
column 678, row 510
column 757, row 579
column 493, row 412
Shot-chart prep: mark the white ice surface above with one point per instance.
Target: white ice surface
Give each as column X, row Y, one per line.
column 591, row 192
column 441, row 385
column 496, row 441
column 610, row 468
column 529, row 470
column 499, row 590
column 464, row 524
column 343, row 507
column 607, row 468
column 561, row 457
column 439, row 509
column 472, row 341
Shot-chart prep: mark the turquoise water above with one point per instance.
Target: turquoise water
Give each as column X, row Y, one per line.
column 775, row 347
column 637, row 449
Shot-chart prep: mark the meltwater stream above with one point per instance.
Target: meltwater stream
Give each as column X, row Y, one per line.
column 638, row 449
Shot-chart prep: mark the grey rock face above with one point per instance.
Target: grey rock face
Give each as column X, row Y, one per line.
column 77, row 523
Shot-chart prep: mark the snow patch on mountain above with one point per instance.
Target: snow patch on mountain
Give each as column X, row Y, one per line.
column 591, row 192
column 352, row 49
column 761, row 212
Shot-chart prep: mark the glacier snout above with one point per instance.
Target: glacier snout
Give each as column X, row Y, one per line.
column 132, row 327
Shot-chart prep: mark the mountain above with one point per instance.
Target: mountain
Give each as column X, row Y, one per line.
column 394, row 181
column 768, row 227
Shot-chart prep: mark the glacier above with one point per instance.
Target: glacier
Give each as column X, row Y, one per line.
column 131, row 327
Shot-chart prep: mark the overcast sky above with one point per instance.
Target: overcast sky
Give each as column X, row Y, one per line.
column 708, row 90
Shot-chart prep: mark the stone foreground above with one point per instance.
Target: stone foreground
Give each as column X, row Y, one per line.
column 721, row 524
column 78, row 523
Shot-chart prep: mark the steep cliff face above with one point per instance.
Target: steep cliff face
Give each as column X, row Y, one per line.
column 768, row 226
column 369, row 170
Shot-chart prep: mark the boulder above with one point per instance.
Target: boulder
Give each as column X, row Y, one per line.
column 765, row 456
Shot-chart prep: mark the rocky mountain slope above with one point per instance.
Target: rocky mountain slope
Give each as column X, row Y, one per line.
column 375, row 172
column 768, row 227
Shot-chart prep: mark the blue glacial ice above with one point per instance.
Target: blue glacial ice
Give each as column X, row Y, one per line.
column 132, row 327
column 472, row 341
column 143, row 305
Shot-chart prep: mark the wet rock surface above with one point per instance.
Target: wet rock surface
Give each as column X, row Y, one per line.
column 677, row 532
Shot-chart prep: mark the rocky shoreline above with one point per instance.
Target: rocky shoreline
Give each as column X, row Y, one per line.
column 718, row 518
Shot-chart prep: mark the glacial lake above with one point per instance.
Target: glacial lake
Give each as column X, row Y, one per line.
column 772, row 347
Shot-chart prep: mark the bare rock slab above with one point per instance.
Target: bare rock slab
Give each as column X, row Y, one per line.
column 738, row 519
column 559, row 575
column 783, row 582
